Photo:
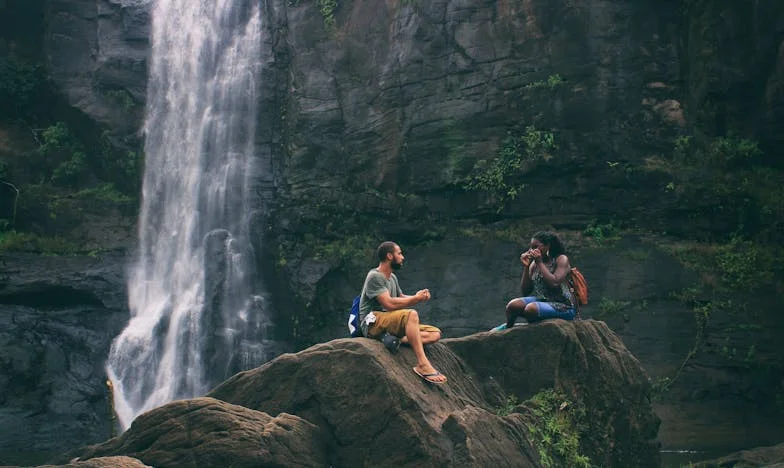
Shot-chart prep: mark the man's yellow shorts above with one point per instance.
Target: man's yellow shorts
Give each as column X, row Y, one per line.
column 394, row 322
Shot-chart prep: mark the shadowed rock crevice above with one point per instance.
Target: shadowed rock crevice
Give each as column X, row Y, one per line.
column 49, row 296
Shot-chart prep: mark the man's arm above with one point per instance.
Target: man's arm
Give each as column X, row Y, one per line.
column 393, row 303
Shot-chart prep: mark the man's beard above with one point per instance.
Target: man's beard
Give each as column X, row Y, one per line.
column 396, row 266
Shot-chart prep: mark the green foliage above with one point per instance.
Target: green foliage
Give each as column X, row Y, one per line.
column 28, row 242
column 327, row 9
column 21, row 85
column 61, row 157
column 56, row 137
column 104, row 192
column 557, row 436
column 121, row 167
column 511, row 402
column 744, row 265
column 609, row 307
column 72, row 171
column 602, row 232
column 501, row 176
column 661, row 385
column 552, row 82
column 730, row 171
column 123, row 98
column 702, row 310
column 716, row 153
column 731, row 353
column 736, row 266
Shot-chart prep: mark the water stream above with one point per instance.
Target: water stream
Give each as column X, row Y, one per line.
column 197, row 315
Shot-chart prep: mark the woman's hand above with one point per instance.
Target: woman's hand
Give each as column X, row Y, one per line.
column 525, row 258
column 536, row 255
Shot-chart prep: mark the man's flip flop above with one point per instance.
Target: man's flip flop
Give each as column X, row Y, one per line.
column 428, row 377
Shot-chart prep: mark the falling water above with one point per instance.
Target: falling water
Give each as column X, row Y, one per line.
column 195, row 315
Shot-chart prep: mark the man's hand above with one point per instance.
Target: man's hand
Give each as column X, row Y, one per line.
column 423, row 295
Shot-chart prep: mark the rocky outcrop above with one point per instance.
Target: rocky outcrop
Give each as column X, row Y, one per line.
column 771, row 457
column 103, row 462
column 207, row 432
column 97, row 53
column 58, row 316
column 349, row 402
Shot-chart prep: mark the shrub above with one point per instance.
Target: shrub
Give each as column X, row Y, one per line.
column 501, row 176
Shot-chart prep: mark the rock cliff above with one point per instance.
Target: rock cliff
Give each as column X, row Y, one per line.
column 58, row 316
column 374, row 113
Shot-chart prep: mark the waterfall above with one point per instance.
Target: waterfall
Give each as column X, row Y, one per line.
column 196, row 313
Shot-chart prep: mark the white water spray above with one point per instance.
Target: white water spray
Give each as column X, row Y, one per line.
column 194, row 317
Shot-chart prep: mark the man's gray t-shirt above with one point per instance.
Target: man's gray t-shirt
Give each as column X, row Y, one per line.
column 375, row 284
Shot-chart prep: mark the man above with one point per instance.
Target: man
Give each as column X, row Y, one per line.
column 384, row 308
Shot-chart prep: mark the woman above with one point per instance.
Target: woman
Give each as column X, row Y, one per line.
column 546, row 292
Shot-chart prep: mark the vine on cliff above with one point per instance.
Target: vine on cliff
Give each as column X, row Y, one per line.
column 327, row 9
column 501, row 177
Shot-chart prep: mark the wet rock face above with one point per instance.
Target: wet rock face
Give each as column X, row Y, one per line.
column 97, row 53
column 58, row 316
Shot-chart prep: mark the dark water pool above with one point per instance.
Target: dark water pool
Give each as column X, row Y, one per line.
column 25, row 458
column 680, row 458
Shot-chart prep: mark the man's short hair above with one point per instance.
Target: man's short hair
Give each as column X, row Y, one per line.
column 385, row 248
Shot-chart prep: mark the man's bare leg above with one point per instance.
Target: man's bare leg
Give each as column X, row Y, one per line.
column 415, row 341
column 428, row 337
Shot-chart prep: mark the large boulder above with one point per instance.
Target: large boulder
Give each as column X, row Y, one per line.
column 365, row 398
column 102, row 462
column 552, row 393
column 207, row 432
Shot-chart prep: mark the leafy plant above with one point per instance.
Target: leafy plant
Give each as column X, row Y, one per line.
column 500, row 177
column 605, row 232
column 28, row 242
column 21, row 85
column 327, row 9
column 557, row 436
column 122, row 97
column 552, row 82
column 744, row 265
column 609, row 307
column 72, row 171
column 511, row 402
